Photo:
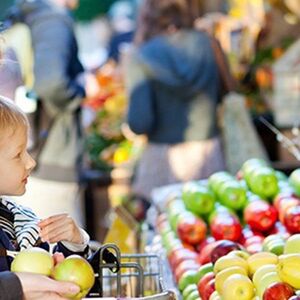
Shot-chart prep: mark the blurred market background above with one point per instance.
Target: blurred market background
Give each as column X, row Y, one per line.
column 261, row 41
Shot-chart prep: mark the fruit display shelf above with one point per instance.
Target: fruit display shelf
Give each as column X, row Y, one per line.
column 232, row 237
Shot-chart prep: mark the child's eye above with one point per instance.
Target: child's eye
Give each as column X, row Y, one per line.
column 18, row 155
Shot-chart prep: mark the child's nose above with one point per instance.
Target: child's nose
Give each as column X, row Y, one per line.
column 30, row 162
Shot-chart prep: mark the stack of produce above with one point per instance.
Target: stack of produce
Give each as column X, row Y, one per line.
column 219, row 234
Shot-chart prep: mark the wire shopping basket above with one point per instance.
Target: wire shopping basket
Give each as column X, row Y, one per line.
column 130, row 276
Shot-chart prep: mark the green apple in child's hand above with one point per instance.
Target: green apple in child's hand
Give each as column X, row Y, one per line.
column 77, row 270
column 33, row 260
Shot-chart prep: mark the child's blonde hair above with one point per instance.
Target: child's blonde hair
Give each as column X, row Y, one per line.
column 11, row 116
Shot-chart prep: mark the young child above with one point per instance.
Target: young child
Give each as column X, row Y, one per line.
column 19, row 226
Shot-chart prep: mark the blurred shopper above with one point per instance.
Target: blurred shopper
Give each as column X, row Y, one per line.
column 174, row 89
column 60, row 84
column 122, row 18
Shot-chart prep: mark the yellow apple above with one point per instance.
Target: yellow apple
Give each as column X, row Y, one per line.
column 238, row 286
column 240, row 253
column 292, row 244
column 33, row 260
column 288, row 269
column 261, row 271
column 227, row 261
column 75, row 269
column 259, row 259
column 266, row 281
column 224, row 274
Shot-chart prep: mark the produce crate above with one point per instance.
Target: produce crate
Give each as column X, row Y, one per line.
column 135, row 276
column 286, row 88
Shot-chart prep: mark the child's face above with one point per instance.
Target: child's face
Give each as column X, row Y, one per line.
column 15, row 162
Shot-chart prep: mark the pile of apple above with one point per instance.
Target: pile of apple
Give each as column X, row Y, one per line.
column 73, row 268
column 252, row 214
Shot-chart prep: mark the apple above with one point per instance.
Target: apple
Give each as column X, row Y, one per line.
column 216, row 179
column 226, row 226
column 198, row 198
column 223, row 248
column 204, row 269
column 208, row 290
column 208, row 240
column 33, row 260
column 239, row 253
column 261, row 271
column 203, row 283
column 288, row 269
column 75, row 269
column 259, row 259
column 292, row 244
column 232, row 194
column 267, row 280
column 194, row 295
column 294, row 180
column 191, row 230
column 238, row 286
column 263, row 182
column 292, row 219
column 188, row 277
column 184, row 266
column 228, row 261
column 260, row 215
column 189, row 289
column 278, row 291
column 205, row 254
column 181, row 254
column 224, row 274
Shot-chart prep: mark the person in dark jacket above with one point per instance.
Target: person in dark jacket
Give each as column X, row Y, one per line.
column 174, row 89
column 60, row 84
column 20, row 228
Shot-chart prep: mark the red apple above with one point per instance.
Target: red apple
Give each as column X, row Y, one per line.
column 208, row 289
column 223, row 248
column 260, row 215
column 203, row 283
column 278, row 291
column 192, row 230
column 280, row 197
column 205, row 255
column 226, row 226
column 206, row 241
column 286, row 203
column 292, row 219
column 179, row 255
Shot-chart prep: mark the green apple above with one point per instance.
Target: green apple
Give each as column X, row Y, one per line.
column 33, row 260
column 194, row 295
column 274, row 243
column 75, row 269
column 189, row 289
column 232, row 194
column 187, row 278
column 294, row 180
column 198, row 198
column 266, row 281
column 238, row 286
column 206, row 268
column 292, row 244
column 263, row 182
column 218, row 178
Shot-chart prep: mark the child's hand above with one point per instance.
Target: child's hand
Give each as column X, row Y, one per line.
column 59, row 228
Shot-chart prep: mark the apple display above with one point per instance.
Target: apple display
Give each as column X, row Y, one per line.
column 238, row 286
column 278, row 291
column 33, row 260
column 75, row 269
